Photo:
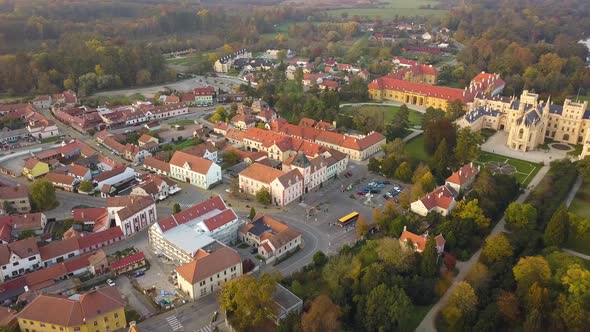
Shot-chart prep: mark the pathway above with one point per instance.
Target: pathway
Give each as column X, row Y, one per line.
column 427, row 323
column 573, row 191
column 415, row 132
column 419, row 109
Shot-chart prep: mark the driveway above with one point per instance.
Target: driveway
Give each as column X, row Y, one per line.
column 497, row 144
column 134, row 298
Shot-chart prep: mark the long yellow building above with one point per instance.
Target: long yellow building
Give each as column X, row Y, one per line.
column 100, row 310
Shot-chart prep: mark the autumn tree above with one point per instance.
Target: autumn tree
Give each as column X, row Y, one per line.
column 86, row 186
column 470, row 210
column 429, row 259
column 42, row 195
column 248, row 300
column 404, row 172
column 583, row 167
column 439, row 164
column 577, row 281
column 497, row 248
column 252, row 213
column 437, row 130
column 557, row 228
column 508, row 306
column 529, row 270
column 460, row 306
column 362, row 227
column 478, row 276
column 323, row 315
column 520, row 216
column 391, row 252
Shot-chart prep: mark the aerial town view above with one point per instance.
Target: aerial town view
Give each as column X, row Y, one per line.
column 294, row 165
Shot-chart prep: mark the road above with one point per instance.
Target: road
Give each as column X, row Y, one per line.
column 427, row 323
column 192, row 317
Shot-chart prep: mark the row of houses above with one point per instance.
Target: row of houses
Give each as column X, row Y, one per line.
column 26, row 256
column 36, row 125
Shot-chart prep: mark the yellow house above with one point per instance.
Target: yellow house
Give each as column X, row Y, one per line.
column 100, row 310
column 35, row 168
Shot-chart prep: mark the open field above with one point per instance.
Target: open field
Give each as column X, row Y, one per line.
column 188, row 60
column 523, row 171
column 415, row 149
column 388, row 112
column 391, row 9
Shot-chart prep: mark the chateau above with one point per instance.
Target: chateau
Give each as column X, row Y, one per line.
column 414, row 85
column 529, row 121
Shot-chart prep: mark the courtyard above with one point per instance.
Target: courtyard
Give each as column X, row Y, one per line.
column 524, row 171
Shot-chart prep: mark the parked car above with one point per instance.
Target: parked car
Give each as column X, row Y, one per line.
column 139, row 273
column 380, row 185
column 360, row 193
column 110, row 282
column 375, row 191
column 254, row 251
column 386, row 182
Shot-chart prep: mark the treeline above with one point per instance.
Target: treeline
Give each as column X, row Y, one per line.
column 533, row 45
column 522, row 281
column 83, row 63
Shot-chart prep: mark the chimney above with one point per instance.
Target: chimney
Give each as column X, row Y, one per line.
column 404, row 228
column 440, row 194
column 460, row 171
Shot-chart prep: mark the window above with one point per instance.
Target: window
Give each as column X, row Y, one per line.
column 32, row 258
column 116, row 315
column 15, row 264
column 95, row 323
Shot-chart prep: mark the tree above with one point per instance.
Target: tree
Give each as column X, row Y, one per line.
column 450, row 261
column 399, row 124
column 252, row 213
column 529, row 270
column 404, row 172
column 577, row 281
column 428, row 262
column 437, row 130
column 230, row 158
column 263, row 196
column 460, row 305
column 8, row 208
column 470, row 210
column 319, row 259
column 468, row 146
column 508, row 306
column 86, row 186
column 323, row 315
column 557, row 228
column 362, row 227
column 496, row 248
column 391, row 252
column 176, row 208
column 248, row 300
column 374, row 165
column 387, row 309
column 520, row 216
column 439, row 164
column 583, row 167
column 478, row 276
column 42, row 195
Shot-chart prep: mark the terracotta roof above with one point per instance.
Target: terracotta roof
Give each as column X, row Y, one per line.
column 57, row 178
column 126, row 261
column 261, row 173
column 5, row 231
column 78, row 170
column 307, row 122
column 58, row 248
column 393, row 83
column 88, row 214
column 464, row 174
column 31, row 162
column 135, row 205
column 119, row 169
column 22, row 248
column 93, row 239
column 199, row 150
column 195, row 164
column 220, row 219
column 144, row 138
column 7, row 316
column 14, row 192
column 59, row 310
column 195, row 211
column 157, row 164
column 418, row 240
column 206, row 266
column 441, row 197
column 235, row 135
column 23, row 221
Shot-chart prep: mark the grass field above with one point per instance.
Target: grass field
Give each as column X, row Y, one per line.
column 388, row 112
column 185, row 61
column 415, row 149
column 185, row 122
column 525, row 171
column 580, row 206
column 391, row 9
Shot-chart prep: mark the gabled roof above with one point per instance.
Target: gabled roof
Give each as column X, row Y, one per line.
column 117, row 170
column 192, row 213
column 220, row 219
column 22, row 248
column 126, row 261
column 441, row 197
column 464, row 174
column 93, row 239
column 261, row 173
column 157, row 164
column 195, row 164
column 417, row 240
column 58, row 248
column 78, row 170
column 208, row 265
column 23, row 221
column 12, row 192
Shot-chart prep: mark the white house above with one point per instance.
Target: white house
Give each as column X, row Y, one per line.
column 273, row 238
column 209, row 271
column 197, row 171
column 205, row 150
column 463, row 178
column 441, row 200
column 283, row 187
column 157, row 187
column 19, row 257
column 80, row 172
column 116, row 175
column 59, row 251
column 132, row 213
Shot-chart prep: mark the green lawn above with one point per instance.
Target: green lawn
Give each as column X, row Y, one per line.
column 185, row 122
column 388, row 112
column 415, row 149
column 190, row 60
column 392, row 8
column 525, row 171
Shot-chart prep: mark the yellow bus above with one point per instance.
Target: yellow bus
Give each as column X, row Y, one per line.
column 348, row 219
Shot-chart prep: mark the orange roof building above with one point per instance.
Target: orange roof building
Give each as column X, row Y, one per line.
column 463, row 178
column 441, row 200
column 197, row 171
column 418, row 242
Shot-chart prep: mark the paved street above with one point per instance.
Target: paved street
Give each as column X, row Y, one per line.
column 192, row 316
column 427, row 323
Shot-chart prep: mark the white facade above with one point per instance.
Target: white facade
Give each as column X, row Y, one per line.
column 209, row 284
column 127, row 174
column 138, row 220
column 204, row 181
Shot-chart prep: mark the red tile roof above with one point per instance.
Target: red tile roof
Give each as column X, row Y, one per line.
column 13, row 192
column 112, row 234
column 157, row 164
column 393, row 83
column 78, row 170
column 208, row 265
column 220, row 219
column 261, row 173
column 441, row 197
column 23, row 221
column 192, row 213
column 58, row 179
column 126, row 261
column 58, row 248
column 464, row 174
column 195, row 164
column 417, row 240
